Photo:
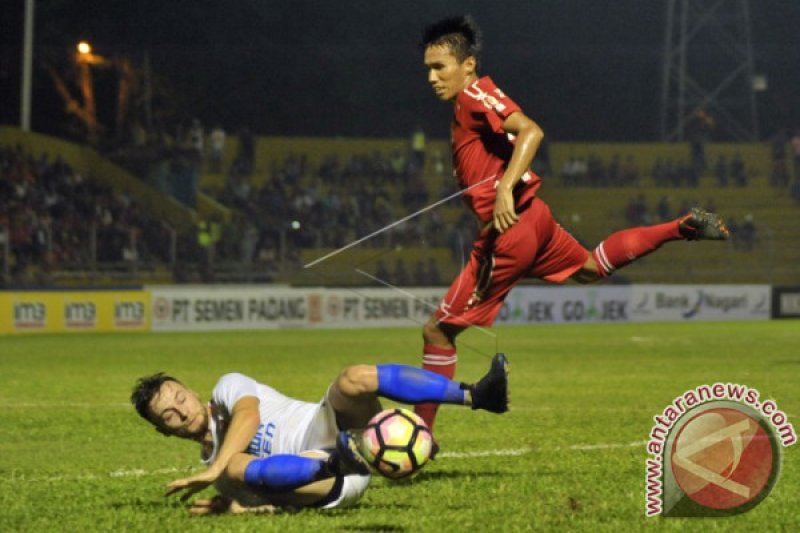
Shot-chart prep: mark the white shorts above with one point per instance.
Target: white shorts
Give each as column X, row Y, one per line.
column 321, row 435
column 321, row 429
column 352, row 489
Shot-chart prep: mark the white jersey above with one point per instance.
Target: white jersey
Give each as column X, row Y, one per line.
column 287, row 426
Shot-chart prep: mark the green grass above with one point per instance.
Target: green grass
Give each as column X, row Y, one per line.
column 74, row 456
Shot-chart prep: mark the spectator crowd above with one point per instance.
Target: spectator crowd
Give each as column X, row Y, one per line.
column 53, row 218
column 330, row 205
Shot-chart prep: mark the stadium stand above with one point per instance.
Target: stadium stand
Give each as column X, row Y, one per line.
column 303, row 198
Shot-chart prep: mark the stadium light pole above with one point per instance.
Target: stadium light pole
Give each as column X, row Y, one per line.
column 85, row 58
column 27, row 68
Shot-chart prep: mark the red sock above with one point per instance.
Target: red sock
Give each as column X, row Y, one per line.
column 628, row 245
column 441, row 361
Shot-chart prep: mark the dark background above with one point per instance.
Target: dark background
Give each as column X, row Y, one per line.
column 585, row 70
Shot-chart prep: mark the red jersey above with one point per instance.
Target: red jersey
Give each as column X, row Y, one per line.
column 482, row 150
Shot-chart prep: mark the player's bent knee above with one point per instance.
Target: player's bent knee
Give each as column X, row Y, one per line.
column 357, row 380
column 589, row 273
column 433, row 333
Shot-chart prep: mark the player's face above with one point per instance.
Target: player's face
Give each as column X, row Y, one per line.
column 178, row 411
column 446, row 74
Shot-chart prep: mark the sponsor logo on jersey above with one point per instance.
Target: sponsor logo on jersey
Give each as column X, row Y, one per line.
column 488, row 100
column 261, row 445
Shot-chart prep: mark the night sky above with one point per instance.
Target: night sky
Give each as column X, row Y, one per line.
column 585, row 70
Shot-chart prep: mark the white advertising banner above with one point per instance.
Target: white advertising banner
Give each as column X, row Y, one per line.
column 206, row 308
column 226, row 307
column 264, row 307
column 700, row 302
column 365, row 307
column 566, row 305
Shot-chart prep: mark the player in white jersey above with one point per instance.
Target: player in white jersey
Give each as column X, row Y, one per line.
column 287, row 426
column 265, row 450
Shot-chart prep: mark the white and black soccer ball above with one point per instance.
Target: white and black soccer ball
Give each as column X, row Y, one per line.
column 396, row 443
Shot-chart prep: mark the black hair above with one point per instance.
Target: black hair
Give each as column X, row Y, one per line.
column 144, row 391
column 461, row 34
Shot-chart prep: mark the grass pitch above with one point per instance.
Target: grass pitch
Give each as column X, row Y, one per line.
column 569, row 456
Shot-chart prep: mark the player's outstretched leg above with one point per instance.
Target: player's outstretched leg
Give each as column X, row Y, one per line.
column 626, row 246
column 413, row 385
column 355, row 393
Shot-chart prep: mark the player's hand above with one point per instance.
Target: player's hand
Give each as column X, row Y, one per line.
column 504, row 215
column 216, row 505
column 220, row 504
column 237, row 508
column 192, row 484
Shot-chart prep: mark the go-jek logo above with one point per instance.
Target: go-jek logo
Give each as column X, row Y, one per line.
column 718, row 458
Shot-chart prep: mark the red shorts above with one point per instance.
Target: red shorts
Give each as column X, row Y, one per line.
column 535, row 247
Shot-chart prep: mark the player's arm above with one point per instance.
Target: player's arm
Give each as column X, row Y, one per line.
column 528, row 138
column 245, row 419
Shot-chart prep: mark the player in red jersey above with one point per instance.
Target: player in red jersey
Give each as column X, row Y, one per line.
column 494, row 143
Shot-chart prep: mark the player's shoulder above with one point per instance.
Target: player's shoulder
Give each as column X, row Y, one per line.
column 481, row 87
column 233, row 379
column 232, row 387
column 233, row 375
column 484, row 92
column 487, row 83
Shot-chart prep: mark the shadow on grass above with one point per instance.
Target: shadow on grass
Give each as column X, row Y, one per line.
column 343, row 511
column 386, row 506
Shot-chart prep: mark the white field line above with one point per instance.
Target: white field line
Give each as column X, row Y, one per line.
column 609, row 446
column 138, row 472
column 135, row 473
column 513, row 452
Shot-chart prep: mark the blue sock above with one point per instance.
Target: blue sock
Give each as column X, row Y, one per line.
column 414, row 385
column 284, row 472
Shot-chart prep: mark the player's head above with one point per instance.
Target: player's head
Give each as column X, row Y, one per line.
column 170, row 406
column 460, row 34
column 452, row 49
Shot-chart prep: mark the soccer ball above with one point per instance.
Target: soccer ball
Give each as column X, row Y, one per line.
column 396, row 443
